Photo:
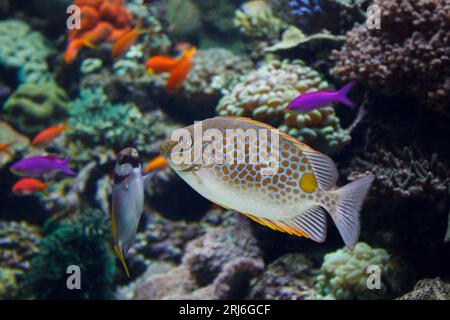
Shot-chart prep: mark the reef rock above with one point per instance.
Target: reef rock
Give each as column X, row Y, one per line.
column 216, row 265
column 429, row 289
column 290, row 277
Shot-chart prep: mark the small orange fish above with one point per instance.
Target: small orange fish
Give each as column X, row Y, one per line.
column 74, row 48
column 28, row 186
column 127, row 40
column 100, row 33
column 92, row 3
column 160, row 64
column 179, row 74
column 48, row 135
column 156, row 164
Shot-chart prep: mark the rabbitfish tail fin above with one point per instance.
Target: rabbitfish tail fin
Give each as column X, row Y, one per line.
column 345, row 215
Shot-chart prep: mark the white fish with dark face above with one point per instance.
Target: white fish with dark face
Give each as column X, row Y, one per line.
column 127, row 201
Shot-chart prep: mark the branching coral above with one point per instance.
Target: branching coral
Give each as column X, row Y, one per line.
column 409, row 54
column 407, row 187
column 96, row 120
column 345, row 274
column 83, row 241
column 33, row 107
column 263, row 94
column 403, row 173
column 24, row 50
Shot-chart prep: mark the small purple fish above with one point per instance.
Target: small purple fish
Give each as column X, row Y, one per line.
column 41, row 165
column 318, row 99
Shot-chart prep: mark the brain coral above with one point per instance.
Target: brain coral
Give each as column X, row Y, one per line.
column 409, row 54
column 264, row 93
column 344, row 273
column 24, row 50
column 33, row 107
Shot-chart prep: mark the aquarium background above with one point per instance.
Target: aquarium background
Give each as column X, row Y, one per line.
column 252, row 58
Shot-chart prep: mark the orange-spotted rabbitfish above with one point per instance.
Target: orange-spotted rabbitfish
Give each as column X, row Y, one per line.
column 293, row 199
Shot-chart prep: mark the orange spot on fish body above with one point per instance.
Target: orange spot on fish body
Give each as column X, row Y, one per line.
column 124, row 44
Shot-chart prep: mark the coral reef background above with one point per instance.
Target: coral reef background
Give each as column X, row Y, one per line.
column 253, row 57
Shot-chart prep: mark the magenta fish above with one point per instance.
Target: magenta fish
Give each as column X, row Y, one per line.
column 318, row 99
column 41, row 165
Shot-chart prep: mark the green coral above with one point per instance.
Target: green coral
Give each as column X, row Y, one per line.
column 81, row 240
column 33, row 107
column 345, row 276
column 263, row 95
column 24, row 50
column 97, row 121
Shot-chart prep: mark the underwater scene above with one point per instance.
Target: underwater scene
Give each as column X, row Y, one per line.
column 216, row 150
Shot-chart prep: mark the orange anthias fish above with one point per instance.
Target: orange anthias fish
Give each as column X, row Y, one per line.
column 74, row 48
column 156, row 164
column 127, row 40
column 48, row 135
column 179, row 74
column 160, row 64
column 28, row 186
